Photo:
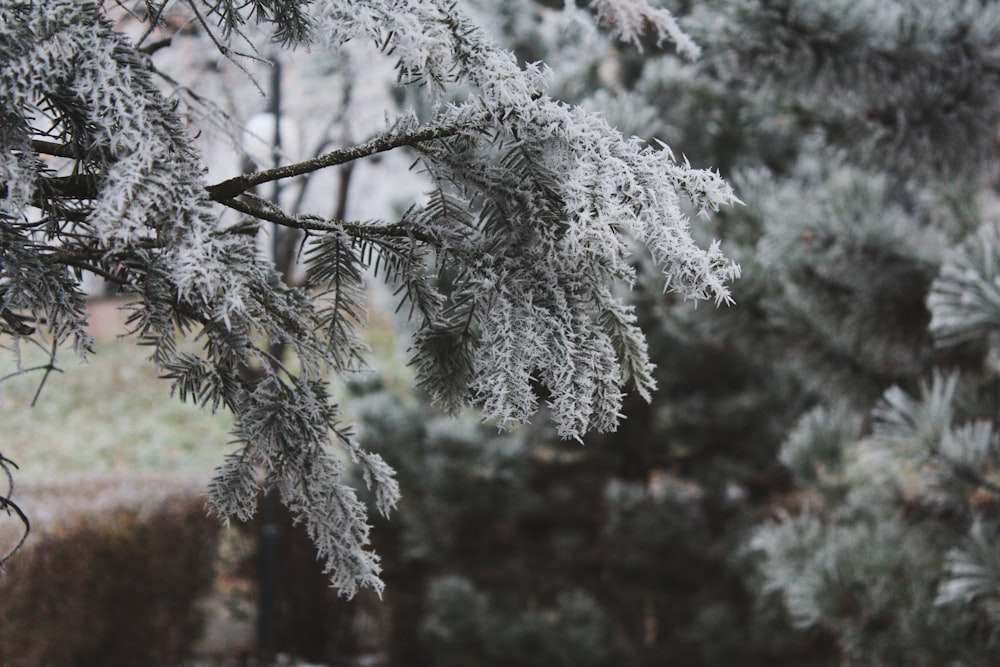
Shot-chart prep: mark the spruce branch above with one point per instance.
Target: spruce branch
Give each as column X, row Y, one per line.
column 504, row 268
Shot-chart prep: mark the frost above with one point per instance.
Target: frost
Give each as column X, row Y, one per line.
column 534, row 212
column 629, row 20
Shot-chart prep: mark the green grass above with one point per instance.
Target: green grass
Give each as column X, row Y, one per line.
column 110, row 413
column 113, row 413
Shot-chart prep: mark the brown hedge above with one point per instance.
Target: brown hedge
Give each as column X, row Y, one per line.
column 109, row 586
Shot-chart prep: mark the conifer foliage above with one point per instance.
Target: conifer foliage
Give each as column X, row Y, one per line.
column 532, row 218
column 839, row 427
column 878, row 230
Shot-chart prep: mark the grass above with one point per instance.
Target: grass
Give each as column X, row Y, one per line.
column 111, row 413
column 114, row 414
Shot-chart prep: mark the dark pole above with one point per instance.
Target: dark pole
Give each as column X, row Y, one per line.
column 275, row 109
column 270, row 529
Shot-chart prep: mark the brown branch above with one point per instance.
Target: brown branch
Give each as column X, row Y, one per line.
column 232, row 187
column 264, row 210
column 153, row 47
column 76, row 262
column 53, row 148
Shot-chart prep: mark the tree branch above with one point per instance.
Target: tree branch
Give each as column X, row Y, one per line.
column 53, row 148
column 238, row 185
column 264, row 210
column 153, row 47
column 76, row 186
column 69, row 260
column 16, row 323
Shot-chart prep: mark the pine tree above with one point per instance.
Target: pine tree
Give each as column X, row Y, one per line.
column 638, row 528
column 872, row 246
column 533, row 209
column 822, row 459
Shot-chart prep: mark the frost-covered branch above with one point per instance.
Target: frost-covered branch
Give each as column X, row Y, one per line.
column 263, row 209
column 533, row 214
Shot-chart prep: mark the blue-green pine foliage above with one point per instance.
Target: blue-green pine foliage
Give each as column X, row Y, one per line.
column 816, row 480
column 874, row 252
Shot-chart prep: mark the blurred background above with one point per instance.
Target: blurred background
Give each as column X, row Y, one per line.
column 815, row 482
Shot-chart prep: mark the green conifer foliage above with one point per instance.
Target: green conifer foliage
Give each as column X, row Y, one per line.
column 836, row 430
column 876, row 238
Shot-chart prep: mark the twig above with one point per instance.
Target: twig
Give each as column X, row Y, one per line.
column 154, row 20
column 48, row 371
column 264, row 210
column 225, row 50
column 153, row 47
column 8, row 505
column 69, row 260
column 5, row 464
column 25, row 370
column 52, row 148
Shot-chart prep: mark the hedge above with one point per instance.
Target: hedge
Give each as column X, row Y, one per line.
column 111, row 575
